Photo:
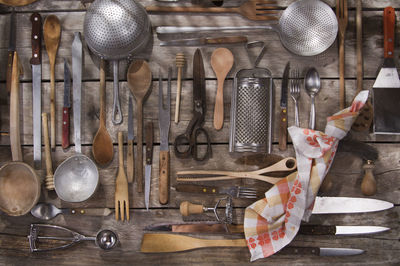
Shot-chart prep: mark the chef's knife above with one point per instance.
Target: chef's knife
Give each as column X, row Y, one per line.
column 149, row 161
column 386, row 89
column 329, row 205
column 206, row 41
column 11, row 49
column 160, row 243
column 283, row 124
column 219, row 228
column 164, row 120
column 130, row 161
column 67, row 106
column 36, row 62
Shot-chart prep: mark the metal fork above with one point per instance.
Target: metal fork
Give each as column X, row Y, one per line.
column 234, row 191
column 295, row 93
column 121, row 185
column 240, row 192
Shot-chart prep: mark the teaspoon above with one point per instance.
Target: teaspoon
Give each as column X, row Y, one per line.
column 312, row 84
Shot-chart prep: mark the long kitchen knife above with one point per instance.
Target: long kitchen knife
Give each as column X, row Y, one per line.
column 130, row 158
column 164, row 120
column 386, row 89
column 149, row 161
column 161, row 243
column 206, row 41
column 11, row 50
column 219, row 228
column 283, row 123
column 36, row 62
column 77, row 86
column 67, row 106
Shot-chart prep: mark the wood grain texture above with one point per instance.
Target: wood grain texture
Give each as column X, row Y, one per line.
column 163, row 186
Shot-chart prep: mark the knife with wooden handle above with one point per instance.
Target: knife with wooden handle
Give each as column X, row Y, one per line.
column 283, row 123
column 149, row 162
column 67, row 106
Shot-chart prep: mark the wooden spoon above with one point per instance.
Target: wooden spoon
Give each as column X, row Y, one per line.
column 51, row 35
column 102, row 143
column 221, row 62
column 16, row 2
column 139, row 81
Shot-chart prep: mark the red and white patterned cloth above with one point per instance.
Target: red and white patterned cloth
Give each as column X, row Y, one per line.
column 273, row 222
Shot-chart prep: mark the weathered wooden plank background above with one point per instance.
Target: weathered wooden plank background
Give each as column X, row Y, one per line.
column 347, row 169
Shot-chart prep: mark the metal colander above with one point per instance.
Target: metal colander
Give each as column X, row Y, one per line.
column 115, row 29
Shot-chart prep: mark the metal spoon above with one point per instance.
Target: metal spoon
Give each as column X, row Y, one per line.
column 47, row 211
column 312, row 84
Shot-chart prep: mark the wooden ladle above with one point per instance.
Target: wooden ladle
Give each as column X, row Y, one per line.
column 102, row 143
column 51, row 35
column 221, row 62
column 139, row 81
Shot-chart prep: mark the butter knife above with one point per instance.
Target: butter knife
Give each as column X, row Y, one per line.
column 67, row 106
column 149, row 161
column 206, row 41
column 36, row 62
column 283, row 124
column 130, row 158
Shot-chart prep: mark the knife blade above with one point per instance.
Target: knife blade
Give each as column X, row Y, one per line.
column 329, row 205
column 199, row 81
column 206, row 41
column 11, row 50
column 283, row 124
column 77, row 87
column 219, row 228
column 156, row 243
column 36, row 62
column 164, row 120
column 67, row 106
column 130, row 161
column 149, row 161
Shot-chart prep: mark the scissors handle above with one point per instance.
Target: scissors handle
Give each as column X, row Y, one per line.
column 197, row 132
column 182, row 146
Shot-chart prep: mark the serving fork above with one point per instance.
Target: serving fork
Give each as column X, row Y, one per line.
column 295, row 93
column 234, row 191
column 121, row 185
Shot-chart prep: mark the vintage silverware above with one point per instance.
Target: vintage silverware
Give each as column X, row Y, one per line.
column 186, row 208
column 164, row 121
column 47, row 211
column 105, row 239
column 121, row 195
column 234, row 191
column 312, row 85
column 295, row 93
column 283, row 123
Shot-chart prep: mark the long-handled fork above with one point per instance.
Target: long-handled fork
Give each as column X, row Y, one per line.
column 121, row 185
column 295, row 93
column 235, row 191
column 341, row 13
column 251, row 9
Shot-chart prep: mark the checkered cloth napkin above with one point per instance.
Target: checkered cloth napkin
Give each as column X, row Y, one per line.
column 272, row 223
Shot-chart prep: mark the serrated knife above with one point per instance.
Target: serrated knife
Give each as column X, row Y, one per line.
column 67, row 106
column 283, row 123
column 36, row 62
column 149, row 162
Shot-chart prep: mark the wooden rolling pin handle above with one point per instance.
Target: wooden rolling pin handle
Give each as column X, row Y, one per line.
column 188, row 208
column 164, row 177
column 368, row 184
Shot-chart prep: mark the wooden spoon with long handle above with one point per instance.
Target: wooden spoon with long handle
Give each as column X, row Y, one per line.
column 221, row 62
column 139, row 81
column 49, row 181
column 102, row 143
column 52, row 35
column 341, row 13
column 16, row 2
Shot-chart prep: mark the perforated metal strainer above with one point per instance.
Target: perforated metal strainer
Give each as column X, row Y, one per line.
column 115, row 30
column 306, row 27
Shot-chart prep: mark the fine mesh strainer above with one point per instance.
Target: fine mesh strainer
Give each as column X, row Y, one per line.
column 115, row 30
column 306, row 27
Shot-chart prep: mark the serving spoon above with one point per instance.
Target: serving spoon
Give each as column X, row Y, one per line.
column 312, row 84
column 139, row 81
column 221, row 62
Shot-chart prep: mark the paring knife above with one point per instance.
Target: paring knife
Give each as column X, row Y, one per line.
column 67, row 106
column 160, row 243
column 206, row 41
column 219, row 228
column 149, row 161
column 130, row 158
column 11, row 48
column 283, row 123
column 36, row 62
column 164, row 120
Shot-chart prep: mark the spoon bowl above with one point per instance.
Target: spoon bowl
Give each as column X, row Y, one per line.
column 312, row 84
column 106, row 239
column 139, row 81
column 45, row 211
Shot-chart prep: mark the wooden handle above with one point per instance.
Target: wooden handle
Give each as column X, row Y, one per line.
column 9, row 70
column 389, row 20
column 49, row 165
column 368, row 184
column 219, row 106
column 174, row 242
column 191, row 9
column 149, row 142
column 139, row 112
column 36, row 39
column 164, row 177
column 121, row 150
column 15, row 138
column 196, row 189
column 178, row 94
column 102, row 93
column 130, row 162
column 91, row 211
column 65, row 128
column 186, row 208
column 226, row 40
column 283, row 130
column 52, row 106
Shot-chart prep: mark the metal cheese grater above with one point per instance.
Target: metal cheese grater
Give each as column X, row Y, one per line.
column 251, row 109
